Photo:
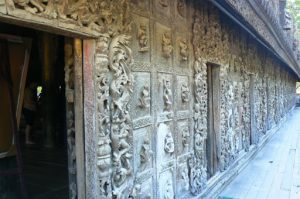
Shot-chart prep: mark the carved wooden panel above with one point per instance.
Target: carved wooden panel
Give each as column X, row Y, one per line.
column 2, row 7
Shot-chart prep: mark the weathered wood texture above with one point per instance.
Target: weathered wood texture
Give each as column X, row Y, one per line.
column 92, row 183
column 79, row 118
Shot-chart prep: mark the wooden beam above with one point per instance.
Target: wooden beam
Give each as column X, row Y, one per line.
column 78, row 106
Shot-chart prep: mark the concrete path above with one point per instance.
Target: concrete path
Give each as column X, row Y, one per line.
column 274, row 173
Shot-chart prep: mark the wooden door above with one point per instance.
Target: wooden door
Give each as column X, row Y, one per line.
column 15, row 54
column 213, row 83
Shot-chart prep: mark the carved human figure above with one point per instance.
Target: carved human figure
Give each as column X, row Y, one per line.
column 169, row 143
column 167, row 47
column 143, row 37
column 185, row 93
column 145, row 97
column 167, row 95
column 183, row 50
column 146, row 152
column 181, row 8
column 185, row 136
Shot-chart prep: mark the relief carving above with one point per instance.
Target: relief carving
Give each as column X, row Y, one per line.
column 95, row 15
column 146, row 153
column 167, row 95
column 185, row 93
column 197, row 165
column 103, row 122
column 185, row 136
column 169, row 143
column 184, row 178
column 121, row 90
column 145, row 97
column 167, row 47
column 143, row 38
column 183, row 50
column 181, row 7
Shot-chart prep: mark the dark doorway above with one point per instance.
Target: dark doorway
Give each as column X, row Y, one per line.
column 45, row 155
column 213, row 86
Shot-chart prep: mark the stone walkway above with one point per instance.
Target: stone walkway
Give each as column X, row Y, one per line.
column 274, row 173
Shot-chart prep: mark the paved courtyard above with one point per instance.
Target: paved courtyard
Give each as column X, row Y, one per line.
column 275, row 171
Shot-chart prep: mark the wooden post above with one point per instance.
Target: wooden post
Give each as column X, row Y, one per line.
column 79, row 133
column 92, row 184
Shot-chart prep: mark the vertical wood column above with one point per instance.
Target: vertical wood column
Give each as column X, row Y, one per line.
column 48, row 48
column 79, row 133
column 92, row 184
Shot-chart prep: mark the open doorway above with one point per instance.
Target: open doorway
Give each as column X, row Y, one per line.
column 46, row 119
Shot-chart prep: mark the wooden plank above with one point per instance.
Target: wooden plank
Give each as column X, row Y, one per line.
column 92, row 184
column 78, row 106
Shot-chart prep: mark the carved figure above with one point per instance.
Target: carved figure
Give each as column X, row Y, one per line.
column 167, row 47
column 185, row 136
column 183, row 50
column 181, row 7
column 169, row 143
column 167, row 95
column 145, row 97
column 185, row 93
column 121, row 130
column 104, row 152
column 143, row 38
column 198, row 178
column 146, row 152
column 32, row 6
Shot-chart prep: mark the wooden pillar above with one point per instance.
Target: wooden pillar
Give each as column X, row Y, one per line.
column 48, row 57
column 92, row 181
column 79, row 133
